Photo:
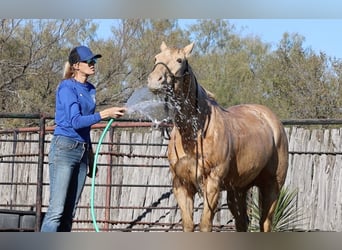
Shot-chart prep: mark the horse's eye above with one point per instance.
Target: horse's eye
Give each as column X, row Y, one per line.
column 155, row 60
column 179, row 60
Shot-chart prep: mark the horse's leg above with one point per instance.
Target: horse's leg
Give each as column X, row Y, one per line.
column 211, row 195
column 185, row 199
column 268, row 197
column 238, row 206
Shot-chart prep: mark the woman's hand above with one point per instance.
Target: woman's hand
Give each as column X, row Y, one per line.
column 114, row 112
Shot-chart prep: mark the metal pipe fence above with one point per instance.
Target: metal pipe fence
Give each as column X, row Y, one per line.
column 38, row 156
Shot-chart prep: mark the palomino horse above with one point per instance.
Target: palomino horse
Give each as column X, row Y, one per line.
column 213, row 149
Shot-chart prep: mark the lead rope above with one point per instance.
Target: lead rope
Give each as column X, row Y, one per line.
column 94, row 174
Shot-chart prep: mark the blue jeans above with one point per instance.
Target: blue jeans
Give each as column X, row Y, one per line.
column 68, row 169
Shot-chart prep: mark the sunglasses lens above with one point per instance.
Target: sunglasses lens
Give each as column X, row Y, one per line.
column 92, row 61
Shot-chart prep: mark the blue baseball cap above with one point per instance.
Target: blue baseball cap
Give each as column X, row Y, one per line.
column 82, row 54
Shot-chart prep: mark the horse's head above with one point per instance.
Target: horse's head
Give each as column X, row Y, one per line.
column 169, row 68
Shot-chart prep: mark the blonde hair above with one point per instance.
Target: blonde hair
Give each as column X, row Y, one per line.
column 68, row 71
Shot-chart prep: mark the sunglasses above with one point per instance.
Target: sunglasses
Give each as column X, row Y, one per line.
column 90, row 61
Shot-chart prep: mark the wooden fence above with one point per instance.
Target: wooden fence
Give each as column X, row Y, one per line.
column 315, row 170
column 133, row 189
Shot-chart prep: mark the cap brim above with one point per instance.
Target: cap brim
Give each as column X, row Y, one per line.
column 93, row 57
column 97, row 56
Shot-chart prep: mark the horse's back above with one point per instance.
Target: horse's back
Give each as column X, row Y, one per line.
column 256, row 114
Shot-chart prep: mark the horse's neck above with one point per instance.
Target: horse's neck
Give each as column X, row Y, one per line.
column 193, row 109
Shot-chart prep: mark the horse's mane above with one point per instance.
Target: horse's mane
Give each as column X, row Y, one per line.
column 210, row 95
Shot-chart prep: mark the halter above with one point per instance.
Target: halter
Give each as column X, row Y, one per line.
column 172, row 76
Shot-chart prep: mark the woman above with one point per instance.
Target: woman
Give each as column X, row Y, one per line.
column 70, row 148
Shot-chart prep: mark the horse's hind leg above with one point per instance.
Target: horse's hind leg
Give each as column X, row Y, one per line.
column 267, row 202
column 238, row 206
column 185, row 199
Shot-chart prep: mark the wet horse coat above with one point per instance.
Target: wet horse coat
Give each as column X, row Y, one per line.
column 213, row 149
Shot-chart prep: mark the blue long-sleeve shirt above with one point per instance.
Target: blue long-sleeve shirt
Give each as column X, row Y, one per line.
column 75, row 107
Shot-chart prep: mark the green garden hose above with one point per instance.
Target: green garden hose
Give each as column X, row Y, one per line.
column 94, row 174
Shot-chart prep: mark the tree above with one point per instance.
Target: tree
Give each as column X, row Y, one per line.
column 134, row 44
column 295, row 82
column 298, row 81
column 33, row 53
column 227, row 64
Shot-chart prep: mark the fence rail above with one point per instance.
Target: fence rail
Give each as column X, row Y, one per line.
column 133, row 190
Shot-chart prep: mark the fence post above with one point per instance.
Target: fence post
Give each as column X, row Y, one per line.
column 40, row 168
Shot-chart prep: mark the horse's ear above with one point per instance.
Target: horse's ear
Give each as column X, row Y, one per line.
column 187, row 49
column 163, row 46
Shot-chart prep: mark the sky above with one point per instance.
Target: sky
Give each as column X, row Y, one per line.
column 320, row 34
column 323, row 35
